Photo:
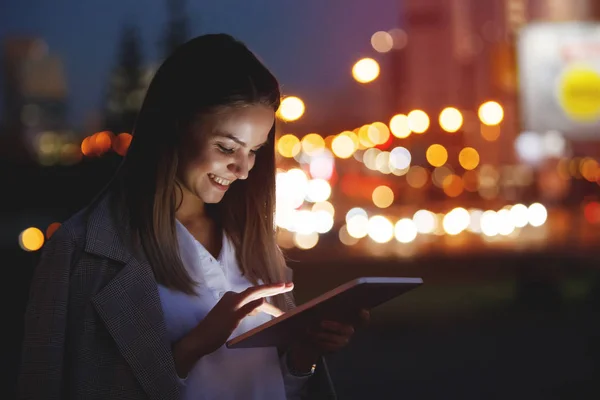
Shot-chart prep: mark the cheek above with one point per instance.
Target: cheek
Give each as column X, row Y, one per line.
column 251, row 162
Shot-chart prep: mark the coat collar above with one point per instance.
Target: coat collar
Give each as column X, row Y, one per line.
column 130, row 307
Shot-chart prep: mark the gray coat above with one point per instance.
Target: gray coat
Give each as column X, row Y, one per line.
column 94, row 326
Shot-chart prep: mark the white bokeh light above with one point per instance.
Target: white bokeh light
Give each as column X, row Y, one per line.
column 425, row 221
column 380, row 229
column 405, row 230
column 400, row 158
column 519, row 215
column 456, row 221
column 489, row 223
column 530, row 147
column 537, row 214
column 318, row 190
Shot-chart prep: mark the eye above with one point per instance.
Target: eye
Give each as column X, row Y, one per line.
column 224, row 149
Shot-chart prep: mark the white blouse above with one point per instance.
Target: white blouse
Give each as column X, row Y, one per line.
column 254, row 373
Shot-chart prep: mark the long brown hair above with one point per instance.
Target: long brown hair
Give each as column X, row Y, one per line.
column 203, row 75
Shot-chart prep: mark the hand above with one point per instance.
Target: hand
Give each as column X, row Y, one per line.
column 267, row 308
column 327, row 337
column 214, row 330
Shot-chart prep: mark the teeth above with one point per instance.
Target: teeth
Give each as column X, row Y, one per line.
column 219, row 180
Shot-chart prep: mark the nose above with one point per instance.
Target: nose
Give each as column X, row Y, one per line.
column 240, row 167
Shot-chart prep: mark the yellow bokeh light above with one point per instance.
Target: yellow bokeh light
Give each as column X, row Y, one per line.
column 490, row 132
column 344, row 144
column 313, row 143
column 491, row 113
column 399, row 126
column 378, row 133
column 437, row 155
column 383, row 196
column 31, row 239
column 418, row 121
column 417, row 177
column 468, row 158
column 451, row 119
column 291, row 108
column 382, row 42
column 363, row 137
column 288, row 145
column 365, row 70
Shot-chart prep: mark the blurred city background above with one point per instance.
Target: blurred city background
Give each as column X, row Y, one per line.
column 453, row 140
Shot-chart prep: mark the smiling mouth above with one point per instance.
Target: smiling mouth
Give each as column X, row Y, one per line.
column 219, row 180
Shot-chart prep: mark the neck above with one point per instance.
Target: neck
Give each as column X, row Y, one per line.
column 190, row 207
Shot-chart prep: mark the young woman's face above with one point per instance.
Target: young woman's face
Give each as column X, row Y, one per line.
column 221, row 149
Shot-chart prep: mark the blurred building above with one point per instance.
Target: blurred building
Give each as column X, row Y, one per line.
column 460, row 53
column 35, row 93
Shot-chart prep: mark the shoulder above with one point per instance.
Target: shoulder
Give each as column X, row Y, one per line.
column 70, row 236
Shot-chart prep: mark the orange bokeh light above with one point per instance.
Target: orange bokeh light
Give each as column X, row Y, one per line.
column 121, row 143
column 53, row 227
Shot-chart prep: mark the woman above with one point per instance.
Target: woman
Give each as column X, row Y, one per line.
column 136, row 295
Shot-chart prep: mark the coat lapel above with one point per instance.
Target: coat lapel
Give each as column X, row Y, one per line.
column 129, row 306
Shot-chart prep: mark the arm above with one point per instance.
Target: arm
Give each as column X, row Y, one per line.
column 41, row 370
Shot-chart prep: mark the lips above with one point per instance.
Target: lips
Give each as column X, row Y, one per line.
column 219, row 180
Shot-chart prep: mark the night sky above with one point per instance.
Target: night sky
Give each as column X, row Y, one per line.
column 310, row 45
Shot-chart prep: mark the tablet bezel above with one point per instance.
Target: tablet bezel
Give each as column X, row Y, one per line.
column 232, row 343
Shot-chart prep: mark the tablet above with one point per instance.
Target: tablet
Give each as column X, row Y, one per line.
column 340, row 304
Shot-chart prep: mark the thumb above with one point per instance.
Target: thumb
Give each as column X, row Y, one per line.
column 249, row 307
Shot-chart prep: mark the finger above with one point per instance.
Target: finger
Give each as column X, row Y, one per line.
column 365, row 317
column 270, row 309
column 259, row 291
column 248, row 308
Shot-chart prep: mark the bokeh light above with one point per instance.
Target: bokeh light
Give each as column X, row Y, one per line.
column 365, row 70
column 291, row 108
column 405, row 230
column 31, row 239
column 436, row 155
column 418, row 121
column 468, row 158
column 383, row 196
column 380, row 229
column 288, row 146
column 450, row 119
column 344, row 144
column 399, row 126
column 491, row 113
column 382, row 41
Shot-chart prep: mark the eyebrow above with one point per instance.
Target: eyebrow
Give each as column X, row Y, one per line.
column 236, row 139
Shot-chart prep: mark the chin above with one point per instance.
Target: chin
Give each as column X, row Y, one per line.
column 212, row 198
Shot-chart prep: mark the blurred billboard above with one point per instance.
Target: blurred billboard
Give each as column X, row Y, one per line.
column 559, row 78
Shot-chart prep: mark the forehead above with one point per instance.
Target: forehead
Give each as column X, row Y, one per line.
column 250, row 124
